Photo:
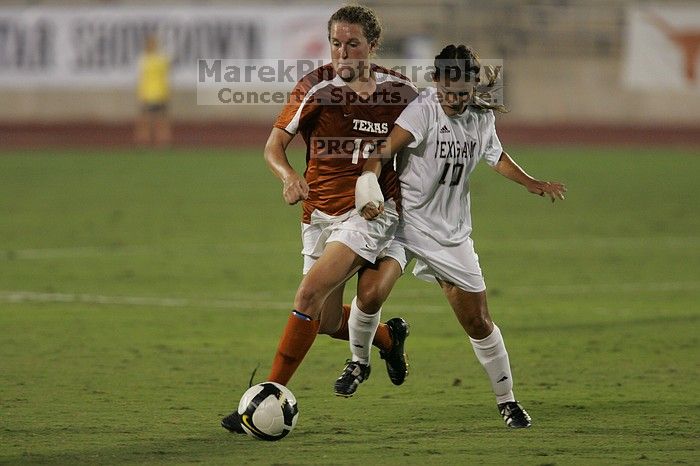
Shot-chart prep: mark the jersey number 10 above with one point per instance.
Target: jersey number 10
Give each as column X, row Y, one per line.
column 457, row 170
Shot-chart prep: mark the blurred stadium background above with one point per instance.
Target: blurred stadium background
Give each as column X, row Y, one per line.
column 575, row 70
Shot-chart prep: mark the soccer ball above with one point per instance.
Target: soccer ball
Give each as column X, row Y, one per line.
column 268, row 411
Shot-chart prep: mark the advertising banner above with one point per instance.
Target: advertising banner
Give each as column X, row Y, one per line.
column 662, row 48
column 101, row 46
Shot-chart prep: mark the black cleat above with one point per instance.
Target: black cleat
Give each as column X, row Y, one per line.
column 232, row 422
column 514, row 415
column 353, row 375
column 395, row 358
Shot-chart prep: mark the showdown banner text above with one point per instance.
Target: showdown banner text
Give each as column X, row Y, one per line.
column 101, row 46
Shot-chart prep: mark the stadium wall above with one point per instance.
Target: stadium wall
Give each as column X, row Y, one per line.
column 580, row 91
column 110, row 136
column 566, row 78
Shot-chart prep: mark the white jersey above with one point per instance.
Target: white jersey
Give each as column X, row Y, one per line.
column 434, row 169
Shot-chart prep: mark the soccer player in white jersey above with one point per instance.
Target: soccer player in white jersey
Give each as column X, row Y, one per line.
column 439, row 138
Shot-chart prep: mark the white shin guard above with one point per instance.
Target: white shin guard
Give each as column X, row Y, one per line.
column 491, row 353
column 361, row 328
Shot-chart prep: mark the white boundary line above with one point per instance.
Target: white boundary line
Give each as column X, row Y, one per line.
column 253, row 301
column 145, row 301
column 255, row 247
column 130, row 250
column 163, row 302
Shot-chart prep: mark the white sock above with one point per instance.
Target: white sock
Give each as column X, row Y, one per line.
column 491, row 353
column 361, row 328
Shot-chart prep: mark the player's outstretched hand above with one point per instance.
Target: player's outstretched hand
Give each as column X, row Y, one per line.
column 371, row 211
column 294, row 189
column 553, row 189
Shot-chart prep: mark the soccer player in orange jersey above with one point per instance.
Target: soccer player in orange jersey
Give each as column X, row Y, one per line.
column 343, row 110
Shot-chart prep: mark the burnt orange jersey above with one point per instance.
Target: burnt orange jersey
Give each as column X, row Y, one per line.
column 340, row 130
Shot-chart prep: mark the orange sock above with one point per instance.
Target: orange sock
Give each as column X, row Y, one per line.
column 297, row 337
column 382, row 339
column 342, row 332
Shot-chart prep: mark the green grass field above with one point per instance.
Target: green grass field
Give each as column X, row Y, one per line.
column 139, row 290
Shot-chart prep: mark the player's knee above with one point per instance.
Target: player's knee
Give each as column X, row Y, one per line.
column 370, row 298
column 479, row 325
column 475, row 318
column 308, row 300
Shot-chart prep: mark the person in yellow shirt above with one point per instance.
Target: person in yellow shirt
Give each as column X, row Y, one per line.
column 153, row 123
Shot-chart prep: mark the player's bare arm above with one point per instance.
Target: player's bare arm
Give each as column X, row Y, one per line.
column 511, row 170
column 294, row 187
column 367, row 184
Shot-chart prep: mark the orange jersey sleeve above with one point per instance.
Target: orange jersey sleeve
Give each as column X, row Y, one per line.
column 304, row 105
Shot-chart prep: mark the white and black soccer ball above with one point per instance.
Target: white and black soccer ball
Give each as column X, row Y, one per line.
column 268, row 411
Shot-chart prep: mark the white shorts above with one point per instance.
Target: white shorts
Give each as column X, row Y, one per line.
column 455, row 264
column 370, row 240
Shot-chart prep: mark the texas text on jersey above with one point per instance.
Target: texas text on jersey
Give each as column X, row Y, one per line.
column 340, row 130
